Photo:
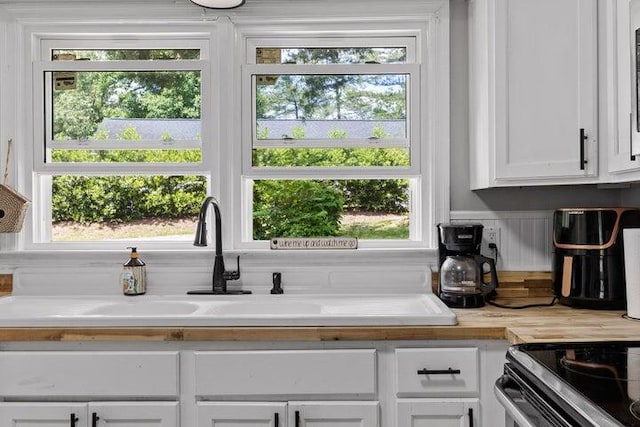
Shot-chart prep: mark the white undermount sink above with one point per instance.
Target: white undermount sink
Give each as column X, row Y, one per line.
column 225, row 310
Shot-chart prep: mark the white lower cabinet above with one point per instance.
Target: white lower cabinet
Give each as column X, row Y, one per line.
column 345, row 376
column 333, row 414
column 437, row 387
column 242, row 414
column 43, row 414
column 288, row 414
column 91, row 414
column 89, row 388
column 377, row 384
column 438, row 412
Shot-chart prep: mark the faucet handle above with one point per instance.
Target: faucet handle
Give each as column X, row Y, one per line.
column 233, row 275
column 277, row 284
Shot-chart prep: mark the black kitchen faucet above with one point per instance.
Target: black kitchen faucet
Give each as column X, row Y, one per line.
column 220, row 275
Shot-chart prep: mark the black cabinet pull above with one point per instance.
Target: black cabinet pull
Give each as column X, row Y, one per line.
column 94, row 419
column 276, row 419
column 73, row 420
column 439, row 371
column 297, row 417
column 470, row 413
column 631, row 156
column 583, row 138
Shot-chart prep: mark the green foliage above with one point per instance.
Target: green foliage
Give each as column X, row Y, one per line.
column 87, row 199
column 328, row 157
column 379, row 132
column 338, row 134
column 298, row 132
column 296, row 208
column 76, row 115
column 377, row 195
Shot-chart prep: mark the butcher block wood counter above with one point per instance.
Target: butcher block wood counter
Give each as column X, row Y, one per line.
column 539, row 324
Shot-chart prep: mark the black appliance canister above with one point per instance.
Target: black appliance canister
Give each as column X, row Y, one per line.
column 588, row 258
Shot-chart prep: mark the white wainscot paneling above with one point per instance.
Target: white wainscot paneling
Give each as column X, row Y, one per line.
column 525, row 237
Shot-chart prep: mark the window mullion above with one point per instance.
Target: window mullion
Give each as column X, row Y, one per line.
column 331, row 173
column 120, row 144
column 160, row 65
column 330, row 69
column 96, row 169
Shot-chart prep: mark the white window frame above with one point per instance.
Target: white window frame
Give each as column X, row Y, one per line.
column 227, row 34
column 39, row 235
column 420, row 38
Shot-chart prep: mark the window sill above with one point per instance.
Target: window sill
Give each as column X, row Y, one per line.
column 203, row 257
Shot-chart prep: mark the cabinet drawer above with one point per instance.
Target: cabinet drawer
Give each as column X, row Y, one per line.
column 435, row 377
column 300, row 373
column 93, row 374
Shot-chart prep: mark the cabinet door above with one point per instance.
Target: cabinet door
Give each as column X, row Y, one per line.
column 43, row 414
column 138, row 414
column 333, row 414
column 619, row 69
column 436, row 412
column 533, row 91
column 546, row 88
column 241, row 414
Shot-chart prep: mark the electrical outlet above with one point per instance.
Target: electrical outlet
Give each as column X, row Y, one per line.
column 490, row 236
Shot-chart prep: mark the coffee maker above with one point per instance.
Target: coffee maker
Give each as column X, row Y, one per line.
column 461, row 267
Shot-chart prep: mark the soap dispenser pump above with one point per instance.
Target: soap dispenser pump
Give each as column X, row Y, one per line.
column 134, row 275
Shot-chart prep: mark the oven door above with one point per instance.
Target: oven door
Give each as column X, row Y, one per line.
column 524, row 406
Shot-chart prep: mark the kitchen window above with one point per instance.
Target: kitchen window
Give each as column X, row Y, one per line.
column 124, row 139
column 334, row 130
column 331, row 127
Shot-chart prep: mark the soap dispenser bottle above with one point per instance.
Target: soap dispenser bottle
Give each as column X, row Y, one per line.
column 134, row 275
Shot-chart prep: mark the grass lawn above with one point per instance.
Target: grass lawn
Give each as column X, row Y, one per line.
column 362, row 226
column 382, row 229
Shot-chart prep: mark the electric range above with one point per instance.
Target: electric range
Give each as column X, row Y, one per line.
column 572, row 384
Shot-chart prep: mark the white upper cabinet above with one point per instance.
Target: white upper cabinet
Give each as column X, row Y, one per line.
column 621, row 20
column 533, row 92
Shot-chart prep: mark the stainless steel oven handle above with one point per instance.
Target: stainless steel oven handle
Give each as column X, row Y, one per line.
column 510, row 407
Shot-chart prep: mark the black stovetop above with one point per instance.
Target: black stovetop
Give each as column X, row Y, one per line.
column 594, row 376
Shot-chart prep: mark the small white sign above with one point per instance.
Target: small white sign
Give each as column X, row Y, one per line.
column 314, row 243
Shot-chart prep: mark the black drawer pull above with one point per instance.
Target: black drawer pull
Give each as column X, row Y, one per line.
column 439, row 371
column 631, row 156
column 470, row 413
column 297, row 419
column 94, row 419
column 583, row 138
column 73, row 420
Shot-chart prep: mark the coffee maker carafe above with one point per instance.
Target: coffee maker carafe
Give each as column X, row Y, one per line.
column 461, row 279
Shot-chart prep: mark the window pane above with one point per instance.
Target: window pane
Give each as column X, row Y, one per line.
column 123, row 54
column 330, row 129
column 330, row 157
column 92, row 208
column 126, row 111
column 340, row 55
column 363, row 208
column 353, row 97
